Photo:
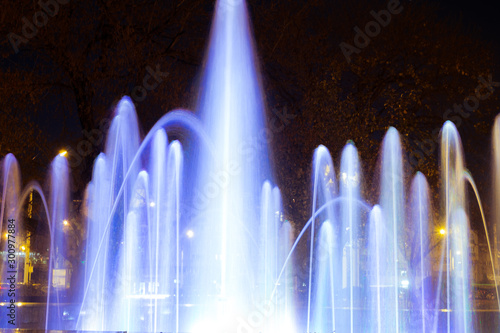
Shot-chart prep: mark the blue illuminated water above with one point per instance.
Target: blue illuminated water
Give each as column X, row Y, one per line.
column 190, row 235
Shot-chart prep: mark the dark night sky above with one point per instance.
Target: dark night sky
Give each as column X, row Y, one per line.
column 480, row 14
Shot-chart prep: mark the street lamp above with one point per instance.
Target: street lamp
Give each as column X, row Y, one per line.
column 442, row 231
column 63, row 152
column 190, row 234
column 65, row 222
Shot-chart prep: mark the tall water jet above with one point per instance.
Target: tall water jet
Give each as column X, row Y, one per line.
column 286, row 305
column 392, row 205
column 457, row 230
column 153, row 275
column 97, row 199
column 323, row 297
column 269, row 236
column 58, row 212
column 350, row 215
column 232, row 109
column 379, row 282
column 279, row 239
column 121, row 148
column 496, row 187
column 165, row 228
column 273, row 290
column 137, row 268
column 10, row 188
column 324, row 192
column 460, row 278
column 418, row 237
column 108, row 201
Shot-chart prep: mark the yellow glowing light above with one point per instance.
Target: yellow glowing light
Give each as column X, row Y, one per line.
column 442, row 231
column 63, row 152
column 19, row 304
column 23, row 247
column 5, row 235
column 65, row 222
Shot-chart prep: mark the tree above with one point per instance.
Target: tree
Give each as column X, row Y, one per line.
column 22, row 138
column 61, row 58
column 415, row 66
column 82, row 56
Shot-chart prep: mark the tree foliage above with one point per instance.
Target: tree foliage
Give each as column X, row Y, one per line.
column 90, row 53
column 418, row 66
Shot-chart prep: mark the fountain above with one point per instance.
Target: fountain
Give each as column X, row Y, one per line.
column 191, row 237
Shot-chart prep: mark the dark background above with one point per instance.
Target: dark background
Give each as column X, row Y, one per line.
column 68, row 76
